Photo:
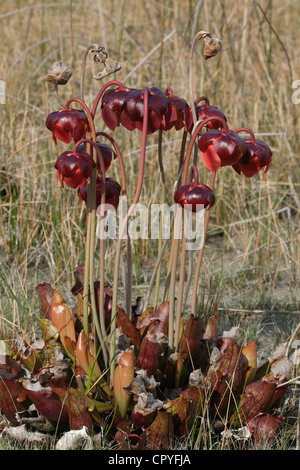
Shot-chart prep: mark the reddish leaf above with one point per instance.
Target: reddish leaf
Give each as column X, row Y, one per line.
column 12, row 394
column 218, row 390
column 160, row 432
column 79, row 404
column 264, row 429
column 152, row 348
column 233, row 365
column 127, row 327
column 190, row 342
column 143, row 321
column 142, row 420
column 46, row 293
column 183, row 413
column 197, row 396
column 160, row 319
column 49, row 403
column 256, row 399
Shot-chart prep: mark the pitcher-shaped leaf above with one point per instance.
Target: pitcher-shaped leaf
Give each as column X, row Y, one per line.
column 12, row 394
column 128, row 328
column 46, row 292
column 63, row 321
column 48, row 402
column 89, row 363
column 250, row 352
column 183, row 413
column 264, row 429
column 144, row 411
column 192, row 347
column 190, row 342
column 81, row 409
column 256, row 399
column 197, row 395
column 160, row 432
column 233, row 364
column 152, row 348
column 123, row 375
column 160, row 319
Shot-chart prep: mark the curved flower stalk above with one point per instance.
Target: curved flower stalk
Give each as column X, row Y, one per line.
column 124, row 227
column 183, row 252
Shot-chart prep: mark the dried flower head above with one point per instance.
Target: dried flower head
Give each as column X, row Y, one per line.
column 212, row 45
column 59, row 73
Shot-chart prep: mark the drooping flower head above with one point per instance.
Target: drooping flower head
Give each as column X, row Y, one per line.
column 106, row 152
column 205, row 111
column 178, row 113
column 126, row 106
column 194, row 196
column 221, row 147
column 67, row 124
column 112, row 191
column 74, row 168
column 112, row 107
column 257, row 156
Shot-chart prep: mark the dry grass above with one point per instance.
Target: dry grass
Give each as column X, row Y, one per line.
column 255, row 223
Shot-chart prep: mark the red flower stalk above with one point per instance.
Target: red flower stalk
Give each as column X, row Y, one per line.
column 178, row 114
column 74, row 168
column 206, row 111
column 67, row 124
column 106, row 152
column 112, row 192
column 221, row 147
column 126, row 106
column 257, row 156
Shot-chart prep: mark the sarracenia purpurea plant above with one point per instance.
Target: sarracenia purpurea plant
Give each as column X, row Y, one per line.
column 141, row 373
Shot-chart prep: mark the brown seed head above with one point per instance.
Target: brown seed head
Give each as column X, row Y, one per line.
column 59, row 73
column 212, row 46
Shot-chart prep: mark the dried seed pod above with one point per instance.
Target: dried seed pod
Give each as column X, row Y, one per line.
column 212, row 46
column 59, row 73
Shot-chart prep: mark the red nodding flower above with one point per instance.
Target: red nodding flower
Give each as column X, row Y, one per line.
column 206, row 111
column 112, row 192
column 257, row 156
column 178, row 113
column 67, row 124
column 106, row 152
column 74, row 168
column 126, row 106
column 221, row 147
column 194, row 196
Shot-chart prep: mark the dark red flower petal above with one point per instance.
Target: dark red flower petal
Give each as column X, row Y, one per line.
column 67, row 124
column 221, row 148
column 195, row 196
column 74, row 168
